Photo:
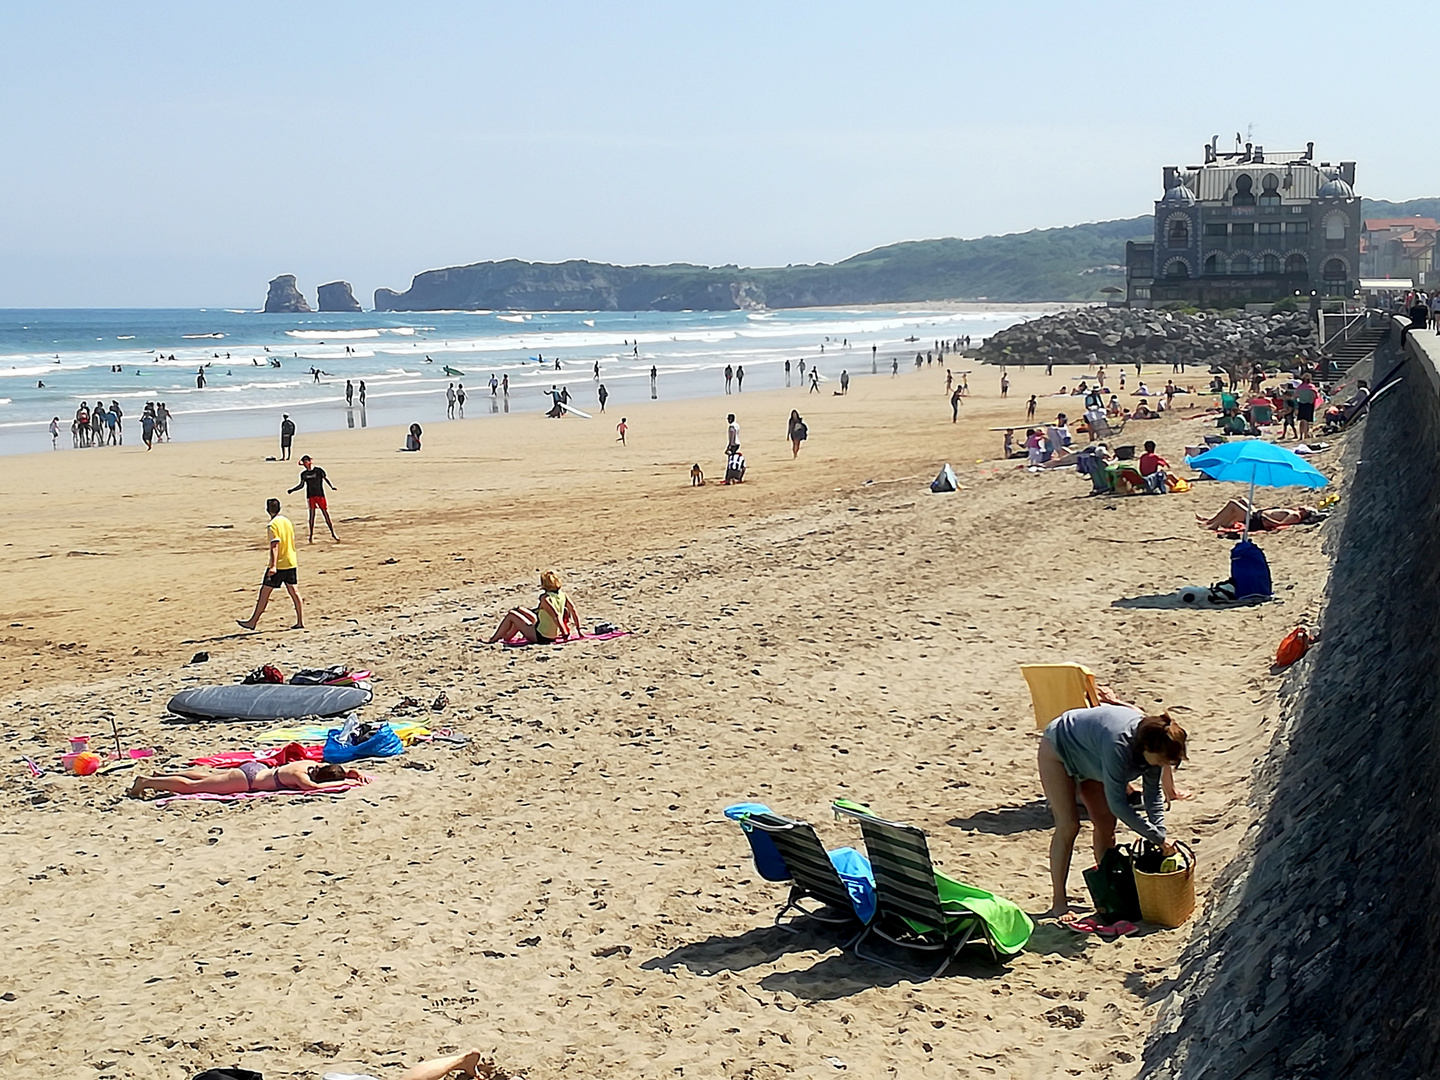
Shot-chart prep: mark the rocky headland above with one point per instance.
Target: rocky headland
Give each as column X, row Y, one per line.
column 338, row 296
column 1124, row 336
column 284, row 296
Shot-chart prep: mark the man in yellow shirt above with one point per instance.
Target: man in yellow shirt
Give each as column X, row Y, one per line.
column 281, row 570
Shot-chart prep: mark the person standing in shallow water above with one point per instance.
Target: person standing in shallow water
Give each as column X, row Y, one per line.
column 362, row 393
column 740, row 379
column 729, row 377
column 603, row 395
column 349, row 393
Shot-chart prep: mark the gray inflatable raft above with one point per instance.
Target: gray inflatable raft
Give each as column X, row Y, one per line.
column 267, row 701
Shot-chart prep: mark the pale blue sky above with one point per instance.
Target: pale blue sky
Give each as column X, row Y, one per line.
column 181, row 154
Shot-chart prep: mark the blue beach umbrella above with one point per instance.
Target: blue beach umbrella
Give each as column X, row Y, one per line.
column 1258, row 462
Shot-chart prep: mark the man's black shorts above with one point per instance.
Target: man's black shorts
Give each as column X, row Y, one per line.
column 277, row 578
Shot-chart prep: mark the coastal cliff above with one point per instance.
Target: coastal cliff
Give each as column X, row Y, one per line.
column 284, row 296
column 1072, row 263
column 577, row 285
column 338, row 296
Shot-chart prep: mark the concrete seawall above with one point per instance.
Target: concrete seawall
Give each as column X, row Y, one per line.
column 1319, row 955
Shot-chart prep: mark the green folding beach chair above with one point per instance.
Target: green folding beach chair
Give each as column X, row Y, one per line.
column 813, row 875
column 918, row 908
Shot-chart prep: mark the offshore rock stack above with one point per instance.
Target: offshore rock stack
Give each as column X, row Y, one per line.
column 1124, row 336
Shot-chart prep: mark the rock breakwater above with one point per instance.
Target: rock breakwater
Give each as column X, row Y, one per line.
column 1124, row 336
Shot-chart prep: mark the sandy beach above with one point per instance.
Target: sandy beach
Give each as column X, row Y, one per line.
column 563, row 892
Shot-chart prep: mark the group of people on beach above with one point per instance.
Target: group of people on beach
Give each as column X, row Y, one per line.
column 103, row 425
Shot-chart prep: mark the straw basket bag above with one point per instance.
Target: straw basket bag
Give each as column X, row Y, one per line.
column 1168, row 899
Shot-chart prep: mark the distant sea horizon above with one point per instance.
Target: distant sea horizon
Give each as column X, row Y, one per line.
column 137, row 355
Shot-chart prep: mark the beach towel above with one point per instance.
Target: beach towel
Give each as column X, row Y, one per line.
column 1010, row 928
column 281, row 756
column 243, row 796
column 521, row 643
column 1058, row 688
column 409, row 731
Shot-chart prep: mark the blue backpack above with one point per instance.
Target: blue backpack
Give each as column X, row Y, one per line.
column 1249, row 571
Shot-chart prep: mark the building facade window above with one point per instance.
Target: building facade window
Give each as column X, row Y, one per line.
column 1178, row 234
column 1177, row 268
column 1268, row 228
column 1270, row 264
column 1295, row 264
column 1335, row 231
column 1297, row 227
column 1216, row 228
column 1334, row 271
column 1244, row 195
column 1240, row 264
column 1212, row 264
column 1269, row 195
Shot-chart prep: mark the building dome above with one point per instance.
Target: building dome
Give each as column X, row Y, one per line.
column 1179, row 195
column 1336, row 188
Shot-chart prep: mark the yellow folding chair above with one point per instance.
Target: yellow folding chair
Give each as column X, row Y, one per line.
column 1057, row 688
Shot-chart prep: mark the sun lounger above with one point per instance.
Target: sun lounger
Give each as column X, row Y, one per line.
column 1058, row 688
column 813, row 872
column 917, row 908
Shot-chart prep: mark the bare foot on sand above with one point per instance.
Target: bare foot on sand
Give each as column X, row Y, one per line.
column 246, row 625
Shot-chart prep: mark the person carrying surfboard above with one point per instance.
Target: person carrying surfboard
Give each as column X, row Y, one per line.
column 281, row 569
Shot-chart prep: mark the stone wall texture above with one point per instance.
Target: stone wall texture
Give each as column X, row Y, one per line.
column 1319, row 953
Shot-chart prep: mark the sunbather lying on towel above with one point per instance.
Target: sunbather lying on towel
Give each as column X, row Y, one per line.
column 248, row 776
column 1234, row 513
column 554, row 617
column 466, row 1064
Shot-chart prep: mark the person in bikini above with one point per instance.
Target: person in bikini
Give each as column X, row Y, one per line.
column 249, row 776
column 313, row 480
column 554, row 618
column 1233, row 514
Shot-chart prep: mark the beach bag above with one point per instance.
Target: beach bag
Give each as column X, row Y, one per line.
column 1293, row 646
column 267, row 673
column 1112, row 886
column 1250, row 571
column 1168, row 898
column 384, row 743
column 318, row 676
column 768, row 860
column 945, row 481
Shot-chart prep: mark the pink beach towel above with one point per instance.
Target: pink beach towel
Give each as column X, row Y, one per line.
column 521, row 643
column 240, row 796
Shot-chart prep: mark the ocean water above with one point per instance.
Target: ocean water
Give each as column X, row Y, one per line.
column 135, row 356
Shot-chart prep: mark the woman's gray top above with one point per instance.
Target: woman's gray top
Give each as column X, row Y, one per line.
column 1099, row 744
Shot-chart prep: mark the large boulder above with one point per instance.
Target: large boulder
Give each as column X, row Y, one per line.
column 284, row 296
column 337, row 296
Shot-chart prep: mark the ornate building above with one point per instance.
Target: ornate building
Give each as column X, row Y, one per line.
column 1249, row 227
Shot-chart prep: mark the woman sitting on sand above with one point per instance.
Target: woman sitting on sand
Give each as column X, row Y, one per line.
column 1234, row 513
column 554, row 618
column 248, row 776
column 1096, row 753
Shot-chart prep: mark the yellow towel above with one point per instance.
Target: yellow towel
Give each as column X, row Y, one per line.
column 1057, row 688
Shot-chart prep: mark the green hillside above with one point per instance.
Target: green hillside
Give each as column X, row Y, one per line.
column 1076, row 262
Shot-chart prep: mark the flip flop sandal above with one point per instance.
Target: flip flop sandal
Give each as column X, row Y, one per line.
column 1118, row 929
column 1088, row 925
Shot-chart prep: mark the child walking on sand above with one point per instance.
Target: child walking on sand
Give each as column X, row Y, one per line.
column 622, row 427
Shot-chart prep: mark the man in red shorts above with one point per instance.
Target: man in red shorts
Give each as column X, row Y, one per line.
column 313, row 480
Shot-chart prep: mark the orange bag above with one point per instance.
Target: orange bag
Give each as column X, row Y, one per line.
column 1293, row 646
